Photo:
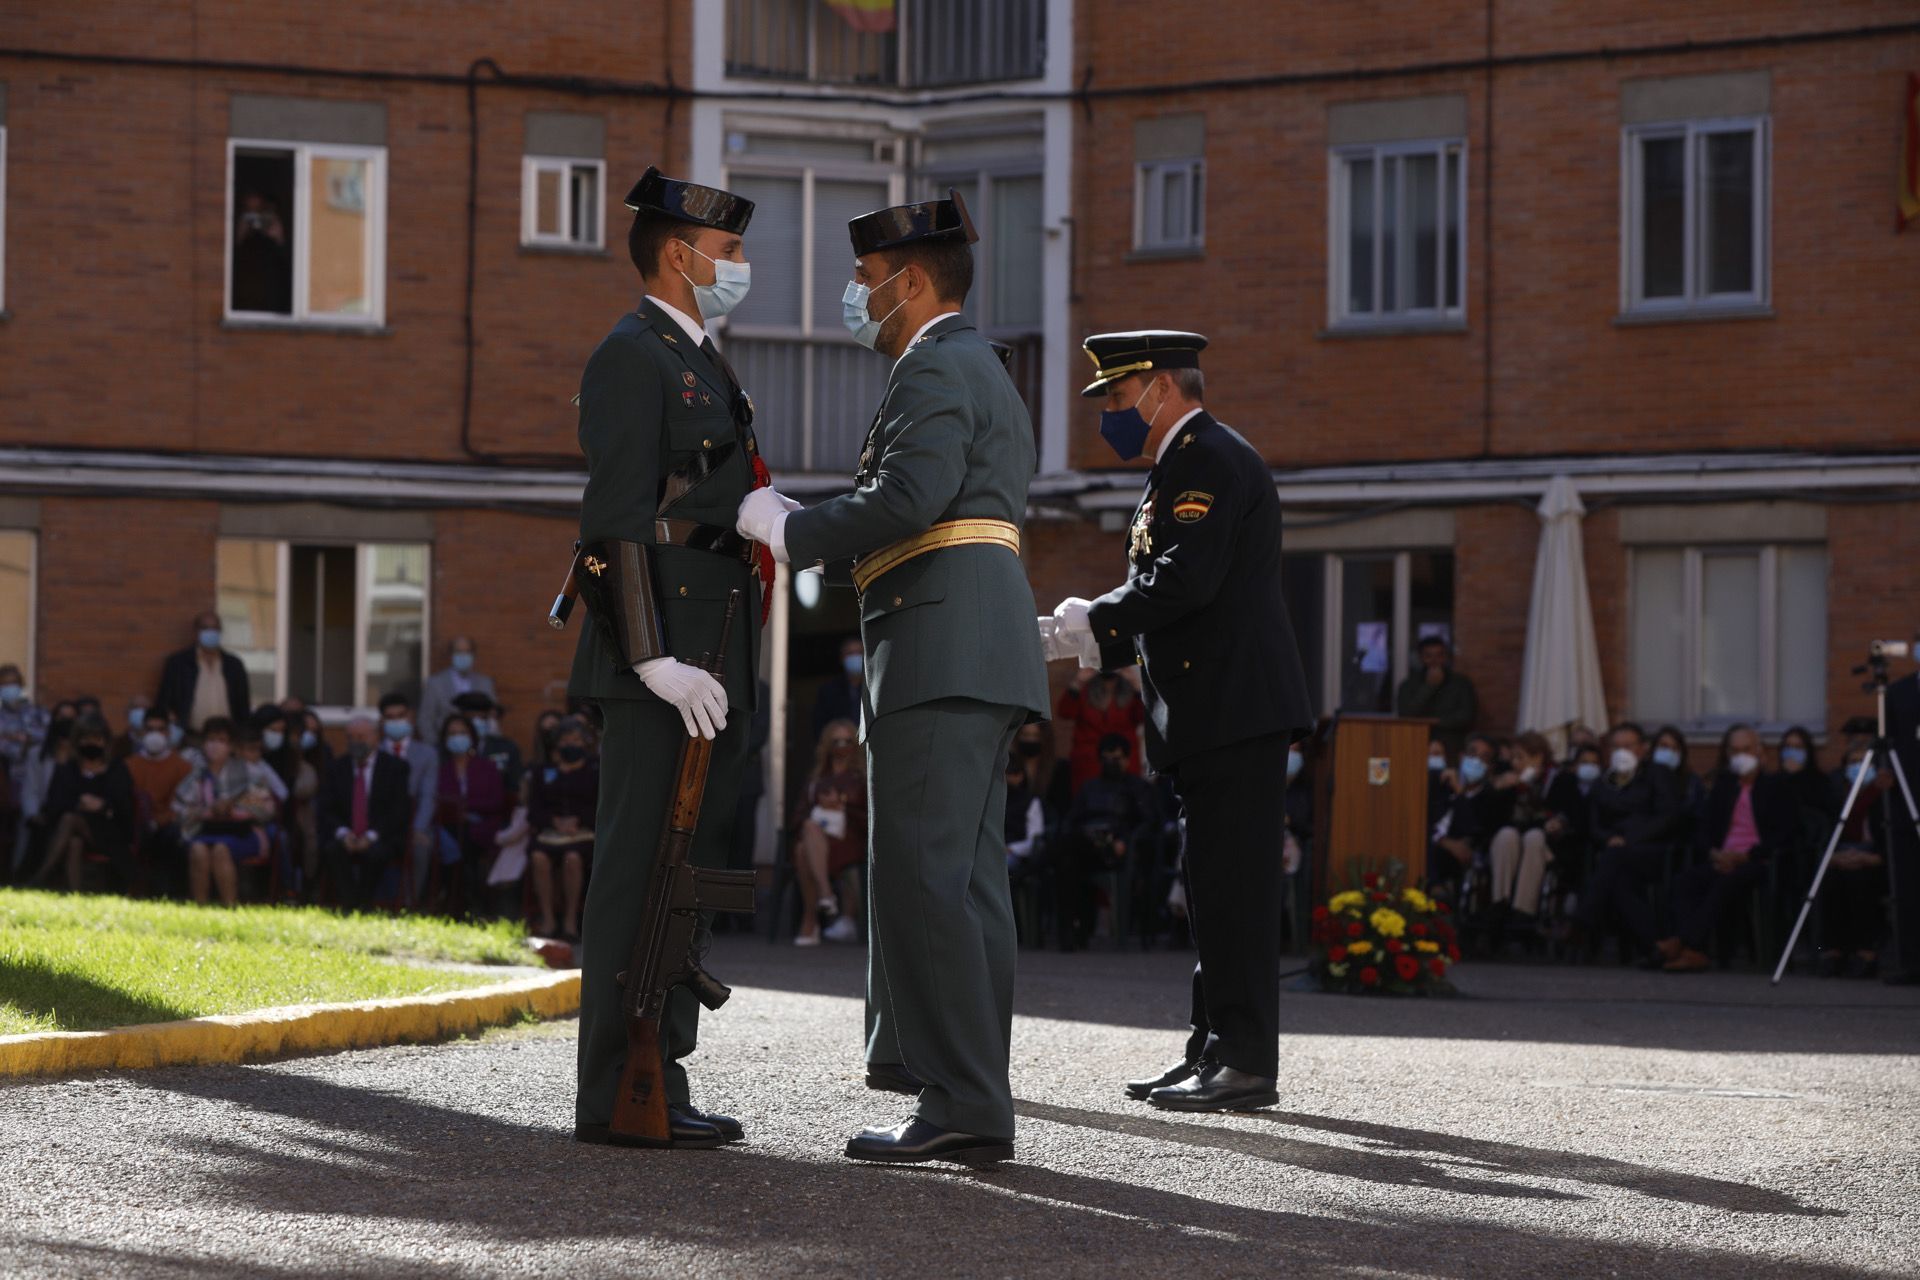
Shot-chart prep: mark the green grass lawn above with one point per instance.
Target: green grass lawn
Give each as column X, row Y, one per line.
column 72, row 962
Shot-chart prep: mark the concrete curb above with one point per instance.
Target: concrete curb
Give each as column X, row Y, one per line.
column 296, row 1029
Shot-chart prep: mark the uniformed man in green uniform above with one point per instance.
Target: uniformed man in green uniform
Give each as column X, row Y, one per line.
column 668, row 435
column 953, row 669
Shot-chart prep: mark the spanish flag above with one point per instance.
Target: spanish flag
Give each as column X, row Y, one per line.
column 1910, row 158
column 872, row 17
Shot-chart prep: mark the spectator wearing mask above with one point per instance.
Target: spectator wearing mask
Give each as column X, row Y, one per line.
column 1816, row 803
column 89, row 808
column 471, row 806
column 157, row 771
column 1851, row 912
column 1109, row 816
column 423, row 771
column 841, row 693
column 1480, row 806
column 203, row 681
column 1099, row 705
column 1635, row 819
column 540, row 759
column 128, row 743
column 832, row 836
column 23, row 726
column 1441, row 781
column 1748, row 819
column 1519, row 851
column 484, row 714
column 561, row 810
column 1437, row 692
column 364, row 813
column 1026, row 819
column 222, row 817
column 1047, row 778
column 33, row 778
column 438, row 699
column 1570, row 811
column 1670, row 752
column 1578, row 737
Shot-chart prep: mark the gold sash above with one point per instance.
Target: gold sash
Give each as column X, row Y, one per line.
column 954, row 533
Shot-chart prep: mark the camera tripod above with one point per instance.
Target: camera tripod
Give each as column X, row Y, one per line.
column 1881, row 751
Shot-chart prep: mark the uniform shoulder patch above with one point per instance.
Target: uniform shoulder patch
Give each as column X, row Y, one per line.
column 1192, row 505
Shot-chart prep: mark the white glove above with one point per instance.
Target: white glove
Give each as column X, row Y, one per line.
column 1058, row 647
column 699, row 698
column 763, row 518
column 1071, row 620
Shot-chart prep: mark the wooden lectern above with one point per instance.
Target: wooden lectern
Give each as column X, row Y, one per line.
column 1372, row 802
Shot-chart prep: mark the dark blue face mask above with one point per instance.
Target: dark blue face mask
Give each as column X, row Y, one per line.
column 1125, row 431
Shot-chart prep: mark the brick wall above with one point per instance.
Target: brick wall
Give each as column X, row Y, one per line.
column 1494, row 549
column 1872, row 549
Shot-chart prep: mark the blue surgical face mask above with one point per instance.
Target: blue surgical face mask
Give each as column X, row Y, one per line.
column 485, row 727
column 1587, row 771
column 1295, row 762
column 309, row 740
column 273, row 739
column 854, row 663
column 1793, row 755
column 1436, row 764
column 730, row 281
column 1854, row 770
column 1666, row 756
column 459, row 743
column 210, row 638
column 10, row 693
column 463, row 662
column 136, row 716
column 1125, row 431
column 853, row 311
column 396, row 729
column 1472, row 769
column 176, row 732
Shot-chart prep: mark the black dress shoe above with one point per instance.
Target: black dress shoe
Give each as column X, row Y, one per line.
column 1217, row 1088
column 688, row 1131
column 729, row 1127
column 893, row 1077
column 1139, row 1089
column 914, row 1141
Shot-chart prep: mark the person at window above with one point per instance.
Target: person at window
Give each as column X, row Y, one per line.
column 157, row 770
column 1105, row 825
column 222, row 817
column 1852, row 916
column 470, row 807
column 1519, row 851
column 1636, row 816
column 1747, row 819
column 561, row 811
column 832, row 835
column 840, row 693
column 262, row 257
column 89, row 809
column 423, row 769
column 1099, row 704
column 23, row 726
column 1439, row 693
column 1670, row 752
column 439, row 699
column 203, row 681
column 127, row 744
column 366, row 815
column 484, row 713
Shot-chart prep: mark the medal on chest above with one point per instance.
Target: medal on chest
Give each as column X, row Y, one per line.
column 1142, row 544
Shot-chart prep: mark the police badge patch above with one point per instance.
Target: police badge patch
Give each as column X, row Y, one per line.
column 1191, row 506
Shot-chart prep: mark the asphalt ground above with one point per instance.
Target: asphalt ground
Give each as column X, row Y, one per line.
column 1552, row 1122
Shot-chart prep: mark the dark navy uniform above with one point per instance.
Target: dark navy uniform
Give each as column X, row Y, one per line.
column 1202, row 613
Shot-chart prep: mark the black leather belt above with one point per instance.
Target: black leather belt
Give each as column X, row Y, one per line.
column 703, row 537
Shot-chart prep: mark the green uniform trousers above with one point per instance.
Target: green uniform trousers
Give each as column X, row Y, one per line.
column 941, row 942
column 638, row 753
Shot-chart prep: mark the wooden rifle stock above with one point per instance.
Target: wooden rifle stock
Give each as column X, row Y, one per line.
column 665, row 951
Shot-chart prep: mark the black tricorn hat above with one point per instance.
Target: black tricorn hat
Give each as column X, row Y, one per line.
column 690, row 202
column 909, row 223
column 1115, row 355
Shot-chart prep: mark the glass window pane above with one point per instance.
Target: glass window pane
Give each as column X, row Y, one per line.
column 247, row 592
column 337, row 237
column 1366, row 633
column 774, row 248
column 321, row 606
column 835, row 203
column 1197, row 216
column 16, row 595
column 1801, row 681
column 1173, row 206
column 1659, row 635
column 585, row 205
column 1663, row 234
column 1360, row 235
column 1423, row 230
column 1016, row 230
column 1303, row 586
column 1390, row 214
column 396, row 614
column 1730, row 635
column 263, row 229
column 1727, row 189
column 1451, row 198
column 546, row 202
column 1430, row 598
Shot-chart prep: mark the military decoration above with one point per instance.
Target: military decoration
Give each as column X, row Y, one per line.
column 1142, row 545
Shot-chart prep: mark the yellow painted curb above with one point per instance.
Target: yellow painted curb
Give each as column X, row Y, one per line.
column 296, row 1029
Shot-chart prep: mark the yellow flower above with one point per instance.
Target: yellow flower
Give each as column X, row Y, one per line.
column 1428, row 947
column 1416, row 899
column 1388, row 923
column 1351, row 900
column 1359, row 948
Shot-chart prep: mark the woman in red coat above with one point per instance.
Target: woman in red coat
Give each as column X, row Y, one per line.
column 1097, row 704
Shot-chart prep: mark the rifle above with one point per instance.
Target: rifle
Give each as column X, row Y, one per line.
column 569, row 590
column 665, row 953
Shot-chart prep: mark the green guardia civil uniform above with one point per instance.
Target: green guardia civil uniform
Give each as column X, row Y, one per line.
column 953, row 668
column 670, row 453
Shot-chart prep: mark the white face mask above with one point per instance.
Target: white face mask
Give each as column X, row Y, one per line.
column 1625, row 762
column 729, row 287
column 1743, row 763
column 155, row 742
column 853, row 307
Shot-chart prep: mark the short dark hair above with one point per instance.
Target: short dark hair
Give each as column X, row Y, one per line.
column 649, row 235
column 948, row 264
column 1633, row 727
column 217, row 725
column 394, row 698
column 474, row 702
column 1115, row 742
column 1430, row 638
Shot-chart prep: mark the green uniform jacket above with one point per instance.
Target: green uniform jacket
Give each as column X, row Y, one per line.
column 652, row 404
column 951, row 441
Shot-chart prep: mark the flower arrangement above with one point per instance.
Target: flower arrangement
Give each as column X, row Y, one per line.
column 1374, row 940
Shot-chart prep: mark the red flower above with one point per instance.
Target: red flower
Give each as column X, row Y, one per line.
column 1336, row 953
column 1369, row 977
column 1444, row 929
column 1395, row 945
column 1437, row 967
column 1354, row 930
column 1407, row 967
column 1419, row 931
column 1370, row 880
column 1319, row 913
column 1453, row 953
column 1443, row 908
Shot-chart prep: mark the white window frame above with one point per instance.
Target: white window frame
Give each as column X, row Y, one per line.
column 1333, row 646
column 1688, row 717
column 1693, row 261
column 1339, row 206
column 982, row 302
column 531, row 167
column 376, row 259
column 1148, row 205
